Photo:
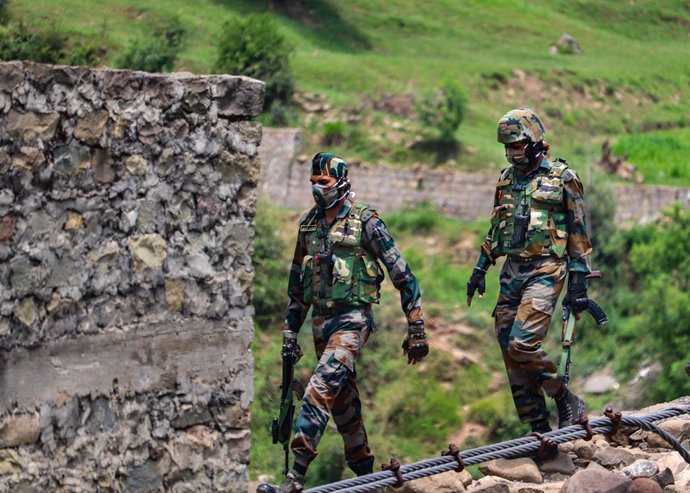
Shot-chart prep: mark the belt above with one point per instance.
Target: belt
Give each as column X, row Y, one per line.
column 334, row 310
column 533, row 258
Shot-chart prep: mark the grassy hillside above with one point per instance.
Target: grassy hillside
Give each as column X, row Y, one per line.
column 632, row 77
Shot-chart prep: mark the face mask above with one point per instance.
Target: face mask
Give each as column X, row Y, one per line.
column 325, row 200
column 517, row 158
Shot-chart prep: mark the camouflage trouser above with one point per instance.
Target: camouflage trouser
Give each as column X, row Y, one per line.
column 333, row 390
column 529, row 291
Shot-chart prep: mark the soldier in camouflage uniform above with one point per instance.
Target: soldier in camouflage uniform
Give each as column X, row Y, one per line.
column 335, row 270
column 538, row 222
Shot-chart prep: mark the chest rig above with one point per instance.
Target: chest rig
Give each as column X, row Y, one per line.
column 337, row 271
column 529, row 219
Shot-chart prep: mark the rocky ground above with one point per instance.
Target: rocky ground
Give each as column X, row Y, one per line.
column 633, row 461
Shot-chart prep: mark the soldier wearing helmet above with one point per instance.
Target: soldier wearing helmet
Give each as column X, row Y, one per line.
column 538, row 223
column 336, row 272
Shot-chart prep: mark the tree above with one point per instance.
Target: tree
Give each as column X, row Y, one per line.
column 252, row 46
column 443, row 109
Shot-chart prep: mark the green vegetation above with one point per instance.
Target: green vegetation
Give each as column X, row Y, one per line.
column 4, row 14
column 19, row 42
column 270, row 264
column 443, row 109
column 254, row 47
column 661, row 157
column 368, row 50
column 155, row 52
column 650, row 316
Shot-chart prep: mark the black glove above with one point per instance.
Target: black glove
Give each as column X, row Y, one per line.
column 290, row 344
column 476, row 282
column 415, row 345
column 576, row 298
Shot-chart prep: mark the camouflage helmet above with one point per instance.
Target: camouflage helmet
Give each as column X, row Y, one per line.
column 520, row 124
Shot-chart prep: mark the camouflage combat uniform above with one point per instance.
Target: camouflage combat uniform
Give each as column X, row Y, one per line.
column 342, row 320
column 538, row 222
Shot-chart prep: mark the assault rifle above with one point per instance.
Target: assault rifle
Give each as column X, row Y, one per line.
column 282, row 425
column 568, row 331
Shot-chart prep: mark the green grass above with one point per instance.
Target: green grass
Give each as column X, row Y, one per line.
column 631, row 78
column 661, row 157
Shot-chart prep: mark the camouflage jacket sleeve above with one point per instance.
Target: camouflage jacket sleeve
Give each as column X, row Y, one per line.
column 378, row 240
column 487, row 257
column 297, row 309
column 579, row 247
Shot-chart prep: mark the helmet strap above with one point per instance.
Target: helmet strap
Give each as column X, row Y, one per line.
column 535, row 152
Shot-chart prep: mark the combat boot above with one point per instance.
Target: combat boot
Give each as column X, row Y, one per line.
column 571, row 409
column 293, row 483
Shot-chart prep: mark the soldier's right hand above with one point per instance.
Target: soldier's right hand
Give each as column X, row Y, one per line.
column 415, row 346
column 290, row 341
column 476, row 283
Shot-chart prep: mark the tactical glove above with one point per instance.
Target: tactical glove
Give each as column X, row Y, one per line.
column 415, row 345
column 290, row 343
column 576, row 298
column 476, row 282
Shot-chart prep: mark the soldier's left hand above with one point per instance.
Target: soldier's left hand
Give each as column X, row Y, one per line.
column 476, row 283
column 576, row 298
column 415, row 346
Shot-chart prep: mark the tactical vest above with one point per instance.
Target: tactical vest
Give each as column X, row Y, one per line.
column 530, row 218
column 339, row 271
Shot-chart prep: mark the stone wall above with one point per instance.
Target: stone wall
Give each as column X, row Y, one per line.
column 463, row 195
column 126, row 224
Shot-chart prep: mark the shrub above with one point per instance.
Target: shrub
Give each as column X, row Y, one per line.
column 156, row 53
column 270, row 267
column 82, row 55
column 252, row 46
column 334, row 133
column 19, row 42
column 443, row 109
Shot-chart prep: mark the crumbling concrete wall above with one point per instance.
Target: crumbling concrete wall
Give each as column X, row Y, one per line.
column 126, row 208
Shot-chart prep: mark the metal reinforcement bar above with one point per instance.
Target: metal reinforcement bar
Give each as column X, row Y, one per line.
column 456, row 460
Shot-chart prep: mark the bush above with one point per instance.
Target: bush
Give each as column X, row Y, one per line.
column 334, row 133
column 270, row 267
column 19, row 42
column 252, row 46
column 82, row 55
column 156, row 53
column 444, row 110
